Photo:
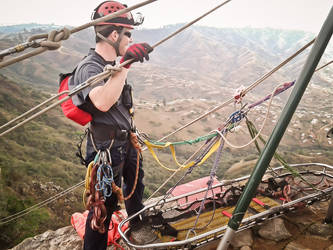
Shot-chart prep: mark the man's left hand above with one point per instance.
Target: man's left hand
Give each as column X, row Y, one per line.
column 136, row 52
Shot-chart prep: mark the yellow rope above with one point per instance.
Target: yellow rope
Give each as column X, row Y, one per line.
column 151, row 147
column 87, row 182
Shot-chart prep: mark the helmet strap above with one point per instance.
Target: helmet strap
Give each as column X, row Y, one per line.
column 115, row 44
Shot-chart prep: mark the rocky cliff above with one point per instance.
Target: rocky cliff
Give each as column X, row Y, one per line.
column 301, row 229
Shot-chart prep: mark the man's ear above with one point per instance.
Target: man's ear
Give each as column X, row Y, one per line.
column 114, row 36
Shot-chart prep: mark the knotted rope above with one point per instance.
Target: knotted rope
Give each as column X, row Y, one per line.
column 52, row 39
column 135, row 142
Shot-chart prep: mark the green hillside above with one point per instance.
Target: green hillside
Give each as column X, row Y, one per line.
column 39, row 153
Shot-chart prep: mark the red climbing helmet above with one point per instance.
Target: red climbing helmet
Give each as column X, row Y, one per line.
column 125, row 20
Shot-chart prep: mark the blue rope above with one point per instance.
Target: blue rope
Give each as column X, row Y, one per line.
column 104, row 180
column 237, row 116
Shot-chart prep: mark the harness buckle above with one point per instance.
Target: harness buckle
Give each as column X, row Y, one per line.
column 121, row 135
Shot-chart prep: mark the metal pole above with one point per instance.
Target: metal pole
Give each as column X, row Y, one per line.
column 274, row 140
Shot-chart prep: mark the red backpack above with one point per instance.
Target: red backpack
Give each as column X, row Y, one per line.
column 69, row 109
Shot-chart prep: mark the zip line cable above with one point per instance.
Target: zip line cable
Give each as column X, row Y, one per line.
column 108, row 71
column 52, row 40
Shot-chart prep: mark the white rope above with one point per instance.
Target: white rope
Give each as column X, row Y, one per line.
column 262, row 127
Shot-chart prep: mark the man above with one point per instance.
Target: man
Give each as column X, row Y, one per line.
column 109, row 103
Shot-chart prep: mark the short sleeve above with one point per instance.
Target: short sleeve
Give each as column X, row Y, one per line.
column 83, row 74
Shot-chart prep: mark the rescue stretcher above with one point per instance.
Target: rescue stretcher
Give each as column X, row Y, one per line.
column 168, row 223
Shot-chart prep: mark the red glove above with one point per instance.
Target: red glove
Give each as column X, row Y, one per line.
column 137, row 52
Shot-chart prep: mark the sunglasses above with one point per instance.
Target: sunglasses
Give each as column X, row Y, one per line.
column 128, row 34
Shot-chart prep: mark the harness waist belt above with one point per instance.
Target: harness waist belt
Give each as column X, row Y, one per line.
column 103, row 132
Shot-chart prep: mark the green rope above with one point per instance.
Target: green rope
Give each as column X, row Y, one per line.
column 253, row 131
column 190, row 142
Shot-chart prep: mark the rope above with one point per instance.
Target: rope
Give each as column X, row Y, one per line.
column 175, row 172
column 135, row 142
column 159, row 144
column 209, row 184
column 31, row 110
column 262, row 127
column 52, row 40
column 324, row 66
column 150, row 147
column 277, row 156
column 209, row 144
column 277, row 91
column 86, row 191
column 170, row 145
column 39, row 205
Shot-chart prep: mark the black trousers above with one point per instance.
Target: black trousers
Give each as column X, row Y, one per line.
column 93, row 240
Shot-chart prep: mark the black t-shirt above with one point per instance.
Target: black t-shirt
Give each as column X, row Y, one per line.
column 118, row 115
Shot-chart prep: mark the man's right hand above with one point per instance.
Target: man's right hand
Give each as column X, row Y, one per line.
column 136, row 52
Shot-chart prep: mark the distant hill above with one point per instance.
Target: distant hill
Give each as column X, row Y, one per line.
column 17, row 28
column 217, row 60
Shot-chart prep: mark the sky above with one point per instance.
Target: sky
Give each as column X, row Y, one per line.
column 307, row 15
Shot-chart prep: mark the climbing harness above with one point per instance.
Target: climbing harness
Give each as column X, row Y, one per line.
column 107, row 163
column 100, row 181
